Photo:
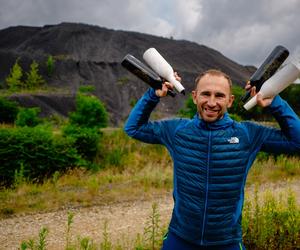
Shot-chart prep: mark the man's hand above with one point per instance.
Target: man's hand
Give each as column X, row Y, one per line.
column 166, row 86
column 262, row 102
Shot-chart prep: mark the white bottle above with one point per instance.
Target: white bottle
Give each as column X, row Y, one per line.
column 162, row 67
column 278, row 82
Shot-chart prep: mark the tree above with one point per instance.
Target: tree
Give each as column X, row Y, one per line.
column 34, row 80
column 50, row 65
column 13, row 81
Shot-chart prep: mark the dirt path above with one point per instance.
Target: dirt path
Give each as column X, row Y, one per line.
column 125, row 221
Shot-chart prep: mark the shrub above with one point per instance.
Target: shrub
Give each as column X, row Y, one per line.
column 85, row 140
column 37, row 151
column 90, row 112
column 28, row 117
column 8, row 110
column 190, row 108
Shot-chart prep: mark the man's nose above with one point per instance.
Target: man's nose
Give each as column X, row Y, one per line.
column 211, row 101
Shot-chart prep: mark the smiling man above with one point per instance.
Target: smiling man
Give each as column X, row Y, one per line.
column 212, row 155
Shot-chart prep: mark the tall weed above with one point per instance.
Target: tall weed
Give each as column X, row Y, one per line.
column 270, row 222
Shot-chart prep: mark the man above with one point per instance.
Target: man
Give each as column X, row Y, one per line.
column 212, row 155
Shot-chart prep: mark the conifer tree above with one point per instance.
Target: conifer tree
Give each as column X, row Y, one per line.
column 13, row 81
column 50, row 65
column 34, row 79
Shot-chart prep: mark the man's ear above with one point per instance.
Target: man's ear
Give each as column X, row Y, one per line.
column 231, row 99
column 194, row 96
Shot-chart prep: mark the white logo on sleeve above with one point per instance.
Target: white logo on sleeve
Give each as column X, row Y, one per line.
column 233, row 140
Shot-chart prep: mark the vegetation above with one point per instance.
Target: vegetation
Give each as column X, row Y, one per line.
column 268, row 223
column 28, row 117
column 34, row 79
column 16, row 81
column 85, row 123
column 39, row 153
column 50, row 65
column 8, row 110
column 13, row 81
column 128, row 169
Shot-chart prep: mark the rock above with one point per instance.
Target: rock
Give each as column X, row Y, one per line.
column 91, row 55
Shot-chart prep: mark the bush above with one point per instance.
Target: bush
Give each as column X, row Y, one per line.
column 190, row 108
column 28, row 117
column 37, row 151
column 90, row 112
column 8, row 110
column 85, row 140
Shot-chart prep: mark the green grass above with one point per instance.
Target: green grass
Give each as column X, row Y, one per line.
column 45, row 89
column 125, row 168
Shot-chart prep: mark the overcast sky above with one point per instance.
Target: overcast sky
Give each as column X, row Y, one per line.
column 245, row 31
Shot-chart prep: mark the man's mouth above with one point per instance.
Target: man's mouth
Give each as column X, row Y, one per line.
column 210, row 112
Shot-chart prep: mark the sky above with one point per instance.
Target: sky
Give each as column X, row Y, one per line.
column 244, row 31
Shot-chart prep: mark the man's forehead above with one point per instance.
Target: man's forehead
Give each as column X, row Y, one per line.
column 213, row 82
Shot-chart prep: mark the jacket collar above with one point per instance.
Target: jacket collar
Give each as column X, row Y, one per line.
column 224, row 122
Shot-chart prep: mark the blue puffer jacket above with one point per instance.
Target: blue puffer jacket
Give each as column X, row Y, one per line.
column 211, row 162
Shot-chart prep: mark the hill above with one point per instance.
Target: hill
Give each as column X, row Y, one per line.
column 91, row 55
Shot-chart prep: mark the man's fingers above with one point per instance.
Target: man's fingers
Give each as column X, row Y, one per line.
column 248, row 85
column 164, row 90
column 168, row 85
column 253, row 91
column 177, row 77
column 263, row 102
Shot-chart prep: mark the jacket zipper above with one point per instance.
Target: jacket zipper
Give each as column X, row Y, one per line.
column 206, row 193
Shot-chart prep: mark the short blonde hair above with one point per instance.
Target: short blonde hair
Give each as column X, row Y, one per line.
column 213, row 72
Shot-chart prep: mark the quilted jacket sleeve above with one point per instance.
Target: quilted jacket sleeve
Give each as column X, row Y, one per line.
column 284, row 140
column 139, row 127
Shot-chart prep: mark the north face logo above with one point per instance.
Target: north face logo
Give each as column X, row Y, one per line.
column 234, row 140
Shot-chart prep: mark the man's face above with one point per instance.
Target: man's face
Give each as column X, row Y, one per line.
column 212, row 97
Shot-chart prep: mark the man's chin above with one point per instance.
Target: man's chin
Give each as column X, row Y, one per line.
column 210, row 118
column 214, row 118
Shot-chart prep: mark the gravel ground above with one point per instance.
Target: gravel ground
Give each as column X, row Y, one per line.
column 125, row 221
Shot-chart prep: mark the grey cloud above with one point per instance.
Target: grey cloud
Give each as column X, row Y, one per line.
column 247, row 30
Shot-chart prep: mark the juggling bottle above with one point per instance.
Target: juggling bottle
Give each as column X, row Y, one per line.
column 278, row 82
column 143, row 72
column 162, row 68
column 267, row 69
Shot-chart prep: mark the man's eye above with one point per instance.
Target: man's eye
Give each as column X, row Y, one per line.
column 220, row 95
column 205, row 94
